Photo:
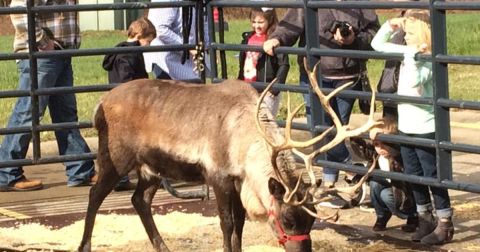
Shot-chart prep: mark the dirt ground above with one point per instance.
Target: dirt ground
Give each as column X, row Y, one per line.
column 185, row 230
column 194, row 226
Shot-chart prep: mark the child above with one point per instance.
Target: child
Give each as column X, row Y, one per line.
column 415, row 79
column 390, row 196
column 130, row 66
column 258, row 66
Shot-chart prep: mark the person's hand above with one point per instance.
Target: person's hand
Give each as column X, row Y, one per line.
column 397, row 23
column 348, row 40
column 193, row 52
column 373, row 133
column 48, row 46
column 422, row 48
column 269, row 46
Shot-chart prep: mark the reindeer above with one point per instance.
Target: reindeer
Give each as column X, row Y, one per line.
column 203, row 133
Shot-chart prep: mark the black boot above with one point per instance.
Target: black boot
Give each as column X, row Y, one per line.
column 426, row 225
column 443, row 233
column 411, row 225
column 381, row 223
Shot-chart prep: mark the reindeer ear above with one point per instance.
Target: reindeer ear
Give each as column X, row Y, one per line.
column 276, row 189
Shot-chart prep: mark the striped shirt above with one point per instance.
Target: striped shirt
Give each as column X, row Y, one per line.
column 63, row 27
column 168, row 24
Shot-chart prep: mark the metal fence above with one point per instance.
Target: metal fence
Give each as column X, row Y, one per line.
column 439, row 58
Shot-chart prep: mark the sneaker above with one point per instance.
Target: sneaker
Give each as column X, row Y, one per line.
column 128, row 186
column 335, row 202
column 92, row 181
column 23, row 185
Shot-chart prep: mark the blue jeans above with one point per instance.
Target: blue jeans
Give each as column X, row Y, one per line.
column 343, row 109
column 421, row 161
column 381, row 195
column 53, row 72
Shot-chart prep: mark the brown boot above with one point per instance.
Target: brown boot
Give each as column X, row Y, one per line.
column 443, row 233
column 426, row 224
column 23, row 185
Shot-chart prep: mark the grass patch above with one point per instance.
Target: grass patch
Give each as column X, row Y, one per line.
column 463, row 32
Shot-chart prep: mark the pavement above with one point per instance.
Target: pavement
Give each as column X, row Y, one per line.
column 466, row 168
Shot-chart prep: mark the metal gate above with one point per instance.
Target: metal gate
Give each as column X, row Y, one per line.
column 439, row 58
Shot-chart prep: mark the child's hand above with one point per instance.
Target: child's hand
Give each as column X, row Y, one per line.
column 269, row 45
column 422, row 48
column 397, row 23
column 374, row 133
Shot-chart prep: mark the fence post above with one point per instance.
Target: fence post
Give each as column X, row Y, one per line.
column 440, row 90
column 312, row 41
column 34, row 80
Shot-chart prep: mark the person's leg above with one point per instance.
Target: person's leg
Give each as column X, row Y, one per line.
column 409, row 209
column 343, row 109
column 445, row 229
column 379, row 204
column 15, row 146
column 421, row 194
column 273, row 103
column 441, row 198
column 412, row 166
column 305, row 82
column 63, row 108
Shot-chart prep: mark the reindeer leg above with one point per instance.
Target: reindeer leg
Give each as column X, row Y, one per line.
column 142, row 201
column 224, row 192
column 107, row 179
column 239, row 221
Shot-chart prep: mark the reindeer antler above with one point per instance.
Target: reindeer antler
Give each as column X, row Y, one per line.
column 342, row 132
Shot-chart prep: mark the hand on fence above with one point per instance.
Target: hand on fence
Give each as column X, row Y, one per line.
column 269, row 46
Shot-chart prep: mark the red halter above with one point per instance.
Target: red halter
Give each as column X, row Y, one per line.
column 283, row 237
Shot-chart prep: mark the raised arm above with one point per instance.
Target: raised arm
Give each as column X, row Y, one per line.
column 287, row 32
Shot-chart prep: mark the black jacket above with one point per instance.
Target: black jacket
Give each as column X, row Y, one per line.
column 276, row 66
column 125, row 67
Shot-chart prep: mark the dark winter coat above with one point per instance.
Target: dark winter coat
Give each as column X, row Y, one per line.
column 363, row 21
column 276, row 66
column 125, row 67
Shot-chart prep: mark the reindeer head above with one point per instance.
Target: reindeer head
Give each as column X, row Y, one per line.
column 293, row 202
column 290, row 223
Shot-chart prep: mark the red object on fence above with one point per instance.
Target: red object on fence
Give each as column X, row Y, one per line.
column 215, row 15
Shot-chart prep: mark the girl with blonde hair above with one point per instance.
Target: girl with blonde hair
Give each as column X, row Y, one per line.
column 417, row 120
